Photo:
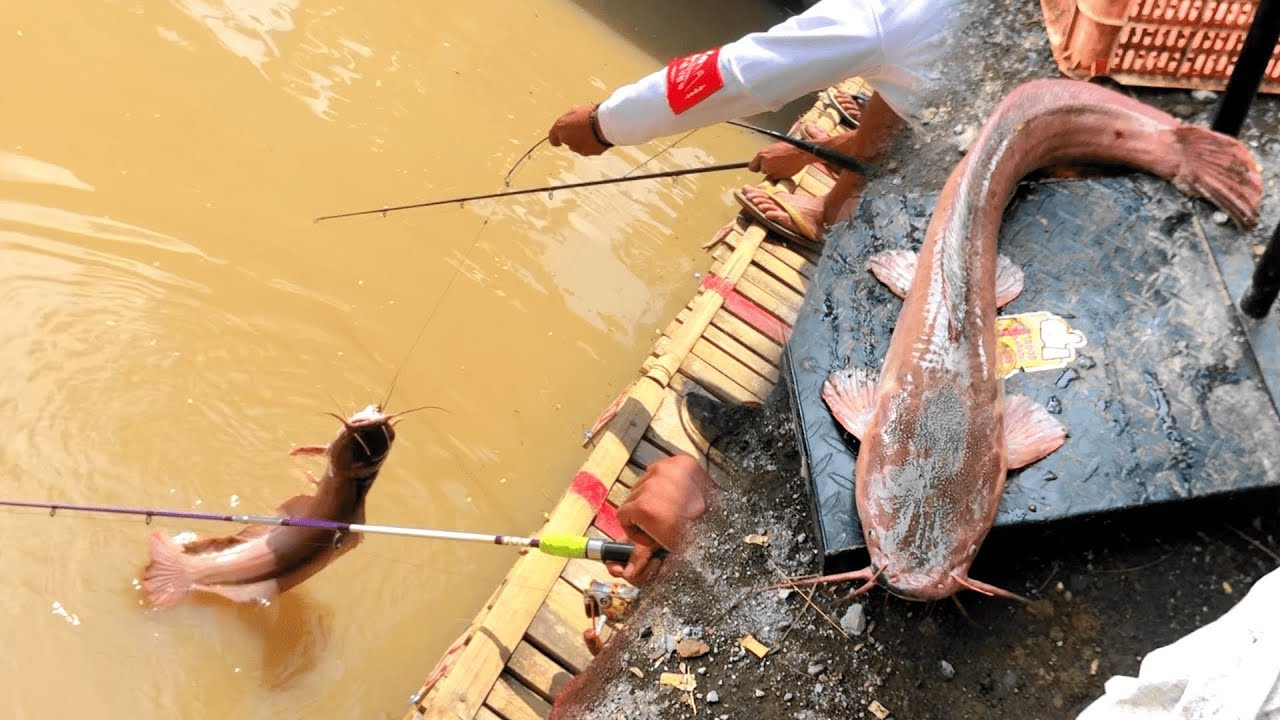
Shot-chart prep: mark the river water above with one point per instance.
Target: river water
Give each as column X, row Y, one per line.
column 174, row 322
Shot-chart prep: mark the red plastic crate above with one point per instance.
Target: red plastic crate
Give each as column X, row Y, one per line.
column 1189, row 44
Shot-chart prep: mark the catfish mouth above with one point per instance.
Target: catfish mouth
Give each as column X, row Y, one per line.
column 371, row 441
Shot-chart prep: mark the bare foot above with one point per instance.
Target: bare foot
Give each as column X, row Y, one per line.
column 808, row 208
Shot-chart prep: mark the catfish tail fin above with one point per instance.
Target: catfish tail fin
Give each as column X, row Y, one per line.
column 166, row 581
column 1220, row 169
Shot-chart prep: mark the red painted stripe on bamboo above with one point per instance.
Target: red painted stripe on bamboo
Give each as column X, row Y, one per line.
column 589, row 488
column 751, row 313
column 607, row 521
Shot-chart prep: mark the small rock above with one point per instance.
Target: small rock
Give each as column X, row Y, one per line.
column 1065, row 378
column 787, row 697
column 816, row 669
column 1053, row 405
column 1031, row 507
column 1204, row 95
column 713, row 697
column 958, row 130
column 690, row 648
column 1009, row 681
column 948, row 671
column 1086, row 362
column 1258, row 250
column 758, row 693
column 1056, row 633
column 878, row 710
column 1219, row 217
column 1050, row 477
column 801, row 538
column 854, row 620
column 702, row 670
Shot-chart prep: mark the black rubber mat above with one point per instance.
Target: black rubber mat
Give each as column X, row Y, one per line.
column 1167, row 402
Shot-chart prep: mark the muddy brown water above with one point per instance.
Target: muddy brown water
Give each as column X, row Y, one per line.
column 174, row 321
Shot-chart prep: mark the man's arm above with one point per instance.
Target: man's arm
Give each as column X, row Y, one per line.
column 833, row 40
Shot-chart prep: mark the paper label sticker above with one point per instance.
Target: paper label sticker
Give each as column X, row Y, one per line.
column 1035, row 341
column 692, row 79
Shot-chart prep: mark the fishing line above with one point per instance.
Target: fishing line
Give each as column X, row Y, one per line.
column 652, row 157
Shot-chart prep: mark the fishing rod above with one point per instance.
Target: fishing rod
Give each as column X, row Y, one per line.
column 564, row 545
column 839, row 159
column 548, row 188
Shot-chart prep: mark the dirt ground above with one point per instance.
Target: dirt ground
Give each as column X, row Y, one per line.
column 1119, row 585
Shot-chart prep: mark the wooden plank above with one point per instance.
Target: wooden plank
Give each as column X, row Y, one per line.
column 646, row 453
column 736, row 371
column 767, row 302
column 719, row 385
column 617, row 494
column 537, row 671
column 557, row 628
column 511, row 700
column 776, row 288
column 486, row 714
column 745, row 355
column 499, row 627
column 630, row 474
column 580, row 572
column 761, row 344
column 784, row 253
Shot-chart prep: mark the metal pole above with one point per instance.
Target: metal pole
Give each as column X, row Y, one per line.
column 1265, row 285
column 1259, row 45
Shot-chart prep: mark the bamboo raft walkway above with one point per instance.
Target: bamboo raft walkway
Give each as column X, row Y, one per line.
column 526, row 642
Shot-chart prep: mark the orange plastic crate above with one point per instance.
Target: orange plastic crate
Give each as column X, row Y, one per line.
column 1163, row 43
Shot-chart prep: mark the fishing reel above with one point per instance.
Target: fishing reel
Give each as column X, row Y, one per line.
column 608, row 601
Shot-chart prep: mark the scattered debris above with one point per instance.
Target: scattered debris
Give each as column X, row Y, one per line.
column 948, row 671
column 691, row 648
column 1093, row 667
column 636, row 671
column 1065, row 378
column 753, row 646
column 1226, row 587
column 1219, row 217
column 878, row 710
column 815, row 669
column 755, row 539
column 679, row 681
column 713, row 697
column 854, row 620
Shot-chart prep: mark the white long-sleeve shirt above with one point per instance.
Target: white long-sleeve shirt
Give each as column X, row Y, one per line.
column 897, row 46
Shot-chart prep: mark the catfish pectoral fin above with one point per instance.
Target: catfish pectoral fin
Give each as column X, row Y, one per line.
column 1030, row 432
column 1220, row 169
column 1008, row 281
column 851, row 396
column 895, row 268
column 309, row 450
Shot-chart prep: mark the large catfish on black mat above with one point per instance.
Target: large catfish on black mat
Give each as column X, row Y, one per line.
column 937, row 432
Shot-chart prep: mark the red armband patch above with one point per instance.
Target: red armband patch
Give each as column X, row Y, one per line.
column 692, row 79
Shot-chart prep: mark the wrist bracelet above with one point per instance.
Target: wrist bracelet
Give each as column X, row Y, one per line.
column 594, row 120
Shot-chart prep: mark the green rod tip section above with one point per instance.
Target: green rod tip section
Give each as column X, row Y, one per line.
column 569, row 546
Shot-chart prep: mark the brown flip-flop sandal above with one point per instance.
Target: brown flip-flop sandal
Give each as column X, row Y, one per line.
column 808, row 241
column 830, row 96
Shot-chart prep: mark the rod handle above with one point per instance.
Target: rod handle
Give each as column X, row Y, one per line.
column 620, row 552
